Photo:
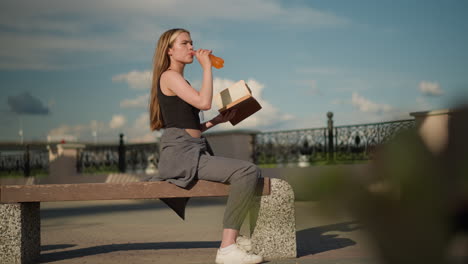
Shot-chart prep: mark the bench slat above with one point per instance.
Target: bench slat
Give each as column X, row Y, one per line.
column 112, row 191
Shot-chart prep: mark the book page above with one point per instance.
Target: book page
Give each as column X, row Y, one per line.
column 218, row 101
column 225, row 97
column 232, row 93
column 238, row 90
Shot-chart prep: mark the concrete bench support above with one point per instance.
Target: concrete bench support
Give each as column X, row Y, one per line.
column 273, row 229
column 20, row 229
column 273, row 224
column 20, row 223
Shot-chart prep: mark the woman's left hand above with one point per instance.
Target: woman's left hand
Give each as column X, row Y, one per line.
column 224, row 117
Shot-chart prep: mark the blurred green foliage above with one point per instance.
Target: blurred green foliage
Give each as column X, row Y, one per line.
column 409, row 199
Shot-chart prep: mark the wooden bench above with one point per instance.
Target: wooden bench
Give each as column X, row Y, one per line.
column 20, row 207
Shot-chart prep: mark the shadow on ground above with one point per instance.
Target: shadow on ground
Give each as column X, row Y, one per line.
column 55, row 247
column 314, row 240
column 146, row 205
column 309, row 241
column 83, row 252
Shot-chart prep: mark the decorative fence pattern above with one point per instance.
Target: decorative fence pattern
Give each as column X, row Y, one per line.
column 24, row 163
column 136, row 158
column 357, row 142
column 98, row 158
column 292, row 146
column 301, row 147
column 325, row 145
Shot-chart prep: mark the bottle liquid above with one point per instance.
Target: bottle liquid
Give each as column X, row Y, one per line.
column 217, row 62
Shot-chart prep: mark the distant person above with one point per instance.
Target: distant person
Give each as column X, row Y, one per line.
column 175, row 107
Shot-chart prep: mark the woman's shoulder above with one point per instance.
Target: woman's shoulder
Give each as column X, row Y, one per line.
column 173, row 77
column 170, row 74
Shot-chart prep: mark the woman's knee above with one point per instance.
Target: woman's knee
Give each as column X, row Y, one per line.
column 255, row 170
column 252, row 173
column 247, row 174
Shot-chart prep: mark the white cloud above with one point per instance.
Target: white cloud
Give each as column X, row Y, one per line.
column 142, row 122
column 67, row 130
column 124, row 29
column 139, row 102
column 101, row 131
column 175, row 10
column 140, row 131
column 138, row 80
column 430, row 88
column 267, row 117
column 42, row 51
column 136, row 132
column 37, row 41
column 365, row 105
column 117, row 121
column 79, row 131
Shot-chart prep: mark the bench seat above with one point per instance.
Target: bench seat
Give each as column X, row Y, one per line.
column 112, row 191
column 20, row 212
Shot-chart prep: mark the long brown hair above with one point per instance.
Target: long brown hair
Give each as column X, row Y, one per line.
column 161, row 63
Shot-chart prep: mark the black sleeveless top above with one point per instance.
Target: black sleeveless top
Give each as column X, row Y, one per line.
column 177, row 113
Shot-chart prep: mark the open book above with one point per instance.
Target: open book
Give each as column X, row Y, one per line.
column 237, row 96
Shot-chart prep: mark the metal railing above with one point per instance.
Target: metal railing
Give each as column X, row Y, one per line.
column 301, row 147
column 291, row 146
column 341, row 144
column 24, row 162
column 136, row 158
column 357, row 142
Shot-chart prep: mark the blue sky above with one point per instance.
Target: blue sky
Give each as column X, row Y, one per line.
column 80, row 69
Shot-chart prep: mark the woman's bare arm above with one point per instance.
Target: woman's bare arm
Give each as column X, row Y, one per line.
column 207, row 125
column 221, row 118
column 176, row 83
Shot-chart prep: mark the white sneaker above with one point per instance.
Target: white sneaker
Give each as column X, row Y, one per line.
column 244, row 243
column 237, row 256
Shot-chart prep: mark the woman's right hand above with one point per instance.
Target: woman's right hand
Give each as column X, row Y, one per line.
column 224, row 117
column 203, row 58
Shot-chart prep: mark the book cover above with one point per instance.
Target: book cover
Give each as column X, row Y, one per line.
column 238, row 96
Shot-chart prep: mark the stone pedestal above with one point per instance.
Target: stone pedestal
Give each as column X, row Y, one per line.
column 433, row 128
column 20, row 233
column 273, row 223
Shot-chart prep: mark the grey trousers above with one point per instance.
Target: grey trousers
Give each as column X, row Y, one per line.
column 185, row 158
column 243, row 177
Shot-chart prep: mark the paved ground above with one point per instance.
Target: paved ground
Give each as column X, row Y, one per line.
column 145, row 231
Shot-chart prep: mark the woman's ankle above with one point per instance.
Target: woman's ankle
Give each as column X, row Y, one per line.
column 229, row 237
column 227, row 244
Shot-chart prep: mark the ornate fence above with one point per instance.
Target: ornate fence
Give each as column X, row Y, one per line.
column 302, row 147
column 136, row 158
column 291, row 146
column 24, row 163
column 357, row 142
column 324, row 145
column 97, row 159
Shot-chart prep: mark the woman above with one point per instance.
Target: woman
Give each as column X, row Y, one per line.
column 175, row 106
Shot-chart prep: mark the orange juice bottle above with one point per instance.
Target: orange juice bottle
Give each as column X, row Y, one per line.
column 217, row 62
